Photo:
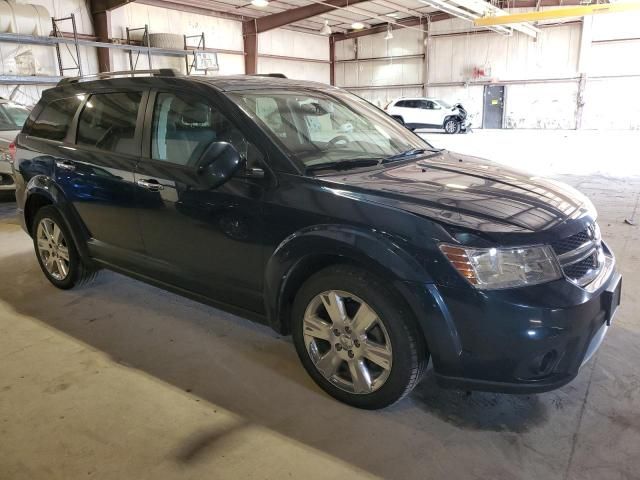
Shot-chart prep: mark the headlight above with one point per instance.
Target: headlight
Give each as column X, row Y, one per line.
column 494, row 268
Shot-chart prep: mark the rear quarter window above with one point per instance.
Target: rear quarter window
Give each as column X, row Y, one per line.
column 54, row 119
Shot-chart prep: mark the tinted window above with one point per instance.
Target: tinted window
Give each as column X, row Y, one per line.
column 184, row 126
column 108, row 122
column 55, row 118
column 402, row 103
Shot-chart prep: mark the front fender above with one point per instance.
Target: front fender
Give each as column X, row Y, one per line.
column 369, row 248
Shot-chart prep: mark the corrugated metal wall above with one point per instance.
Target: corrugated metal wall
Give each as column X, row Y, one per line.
column 288, row 43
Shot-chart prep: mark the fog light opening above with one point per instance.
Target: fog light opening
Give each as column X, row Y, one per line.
column 548, row 362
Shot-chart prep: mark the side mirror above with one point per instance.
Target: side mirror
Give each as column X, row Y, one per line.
column 218, row 163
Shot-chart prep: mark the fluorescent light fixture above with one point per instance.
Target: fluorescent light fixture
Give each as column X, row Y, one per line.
column 389, row 34
column 392, row 15
column 326, row 29
column 357, row 25
column 260, row 3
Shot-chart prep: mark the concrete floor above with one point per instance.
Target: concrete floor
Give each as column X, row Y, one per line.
column 120, row 380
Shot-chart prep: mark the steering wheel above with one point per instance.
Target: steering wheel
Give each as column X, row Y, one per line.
column 340, row 138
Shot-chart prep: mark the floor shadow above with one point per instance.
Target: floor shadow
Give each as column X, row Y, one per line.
column 480, row 410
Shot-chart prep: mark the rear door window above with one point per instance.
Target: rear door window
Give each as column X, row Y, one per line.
column 55, row 118
column 108, row 122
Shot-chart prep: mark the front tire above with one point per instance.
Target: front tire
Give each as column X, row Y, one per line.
column 357, row 340
column 452, row 126
column 56, row 252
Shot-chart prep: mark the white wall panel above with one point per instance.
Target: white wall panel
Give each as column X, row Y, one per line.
column 293, row 44
column 297, row 69
column 612, row 104
column 346, row 49
column 620, row 58
column 541, row 105
column 616, row 26
column 554, row 54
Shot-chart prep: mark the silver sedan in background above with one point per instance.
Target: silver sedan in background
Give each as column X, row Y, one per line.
column 12, row 117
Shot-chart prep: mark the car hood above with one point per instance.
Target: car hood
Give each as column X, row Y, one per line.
column 468, row 192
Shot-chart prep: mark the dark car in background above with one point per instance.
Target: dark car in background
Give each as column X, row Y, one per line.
column 12, row 117
column 304, row 207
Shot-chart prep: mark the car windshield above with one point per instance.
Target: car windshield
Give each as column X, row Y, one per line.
column 318, row 128
column 445, row 104
column 12, row 116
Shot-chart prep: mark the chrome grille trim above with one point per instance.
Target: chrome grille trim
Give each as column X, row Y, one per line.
column 586, row 262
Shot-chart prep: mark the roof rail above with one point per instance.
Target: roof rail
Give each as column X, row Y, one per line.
column 273, row 75
column 161, row 72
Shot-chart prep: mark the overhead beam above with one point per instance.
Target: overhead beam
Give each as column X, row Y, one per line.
column 280, row 19
column 556, row 13
column 407, row 22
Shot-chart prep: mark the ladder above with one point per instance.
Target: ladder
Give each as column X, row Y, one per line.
column 196, row 48
column 58, row 33
column 145, row 41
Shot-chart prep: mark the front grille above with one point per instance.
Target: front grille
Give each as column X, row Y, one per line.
column 580, row 255
column 571, row 243
column 578, row 270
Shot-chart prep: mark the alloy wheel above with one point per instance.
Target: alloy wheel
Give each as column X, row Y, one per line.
column 347, row 342
column 450, row 126
column 52, row 248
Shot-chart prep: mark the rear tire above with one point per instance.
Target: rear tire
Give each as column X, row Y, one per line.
column 56, row 252
column 369, row 356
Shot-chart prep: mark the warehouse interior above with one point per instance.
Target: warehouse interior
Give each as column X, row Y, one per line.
column 121, row 379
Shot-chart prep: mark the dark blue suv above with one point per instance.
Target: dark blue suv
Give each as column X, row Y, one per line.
column 304, row 207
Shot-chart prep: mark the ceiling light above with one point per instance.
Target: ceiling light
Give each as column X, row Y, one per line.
column 260, row 3
column 389, row 34
column 393, row 15
column 357, row 25
column 326, row 29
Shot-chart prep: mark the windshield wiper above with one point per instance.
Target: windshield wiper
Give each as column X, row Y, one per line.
column 409, row 153
column 343, row 164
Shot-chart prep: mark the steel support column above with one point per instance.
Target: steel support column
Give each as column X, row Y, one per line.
column 332, row 61
column 250, row 37
column 102, row 27
column 101, row 19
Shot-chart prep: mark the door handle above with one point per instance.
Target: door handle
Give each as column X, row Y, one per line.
column 65, row 165
column 150, row 184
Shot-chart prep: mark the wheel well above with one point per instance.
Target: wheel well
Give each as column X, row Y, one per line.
column 450, row 117
column 309, row 266
column 302, row 271
column 34, row 203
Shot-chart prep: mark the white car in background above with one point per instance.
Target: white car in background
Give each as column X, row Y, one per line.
column 422, row 112
column 12, row 117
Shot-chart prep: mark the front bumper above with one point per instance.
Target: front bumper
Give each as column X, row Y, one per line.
column 522, row 340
